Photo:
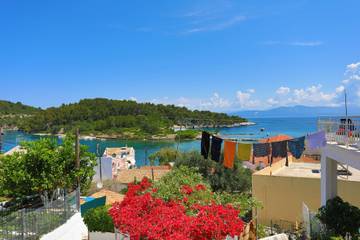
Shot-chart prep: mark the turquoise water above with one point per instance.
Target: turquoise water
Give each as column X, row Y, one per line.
column 272, row 126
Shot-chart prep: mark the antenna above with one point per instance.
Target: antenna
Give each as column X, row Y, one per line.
column 346, row 108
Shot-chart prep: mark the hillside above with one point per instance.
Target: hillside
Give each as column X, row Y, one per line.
column 12, row 114
column 120, row 118
column 297, row 111
column 7, row 108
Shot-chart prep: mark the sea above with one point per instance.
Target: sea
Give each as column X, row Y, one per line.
column 264, row 127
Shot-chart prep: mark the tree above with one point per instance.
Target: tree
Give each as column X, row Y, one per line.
column 340, row 218
column 220, row 178
column 165, row 156
column 44, row 166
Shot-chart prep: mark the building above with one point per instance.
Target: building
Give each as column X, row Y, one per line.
column 282, row 190
column 122, row 158
column 342, row 149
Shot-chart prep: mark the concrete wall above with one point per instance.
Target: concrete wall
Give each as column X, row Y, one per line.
column 282, row 197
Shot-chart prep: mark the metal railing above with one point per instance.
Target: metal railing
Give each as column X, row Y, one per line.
column 30, row 223
column 342, row 130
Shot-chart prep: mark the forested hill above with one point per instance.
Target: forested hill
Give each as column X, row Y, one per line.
column 7, row 108
column 120, row 117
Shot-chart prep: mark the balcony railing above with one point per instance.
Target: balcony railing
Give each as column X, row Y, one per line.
column 342, row 130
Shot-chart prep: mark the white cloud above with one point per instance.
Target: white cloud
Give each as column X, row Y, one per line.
column 306, row 44
column 312, row 95
column 353, row 66
column 133, row 99
column 272, row 101
column 216, row 26
column 340, row 89
column 251, row 90
column 295, row 43
column 283, row 90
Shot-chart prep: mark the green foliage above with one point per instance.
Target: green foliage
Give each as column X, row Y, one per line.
column 237, row 179
column 340, row 218
column 169, row 186
column 120, row 117
column 220, row 178
column 98, row 220
column 193, row 159
column 187, row 134
column 164, row 156
column 7, row 107
column 43, row 167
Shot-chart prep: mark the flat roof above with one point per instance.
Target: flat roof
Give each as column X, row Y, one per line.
column 305, row 170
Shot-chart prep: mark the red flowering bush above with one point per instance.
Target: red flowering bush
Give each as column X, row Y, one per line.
column 142, row 215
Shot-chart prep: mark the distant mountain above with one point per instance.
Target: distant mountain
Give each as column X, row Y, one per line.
column 297, row 111
column 7, row 107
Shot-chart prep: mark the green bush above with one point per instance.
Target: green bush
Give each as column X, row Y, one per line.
column 187, row 134
column 98, row 220
column 169, row 186
column 340, row 218
column 165, row 155
column 221, row 179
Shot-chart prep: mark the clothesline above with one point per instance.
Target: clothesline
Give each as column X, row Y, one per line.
column 273, row 149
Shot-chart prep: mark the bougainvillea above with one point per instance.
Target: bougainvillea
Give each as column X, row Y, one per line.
column 144, row 216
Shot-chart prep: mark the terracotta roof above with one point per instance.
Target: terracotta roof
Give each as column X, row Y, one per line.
column 111, row 196
column 128, row 176
column 277, row 138
column 162, row 167
column 264, row 160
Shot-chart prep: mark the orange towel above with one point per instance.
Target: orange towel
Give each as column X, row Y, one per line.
column 229, row 154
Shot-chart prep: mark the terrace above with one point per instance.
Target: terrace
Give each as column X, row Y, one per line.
column 342, row 149
column 343, row 131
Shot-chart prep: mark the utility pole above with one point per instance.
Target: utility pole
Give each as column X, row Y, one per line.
column 100, row 184
column 1, row 139
column 77, row 164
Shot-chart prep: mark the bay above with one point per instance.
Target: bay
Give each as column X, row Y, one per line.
column 294, row 127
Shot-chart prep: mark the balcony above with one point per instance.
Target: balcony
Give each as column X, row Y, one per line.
column 341, row 130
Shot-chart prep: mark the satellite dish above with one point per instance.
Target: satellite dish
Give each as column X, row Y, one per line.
column 99, row 185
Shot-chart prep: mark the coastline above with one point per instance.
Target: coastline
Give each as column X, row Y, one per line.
column 161, row 137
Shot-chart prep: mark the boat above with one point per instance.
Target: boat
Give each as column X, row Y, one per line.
column 87, row 138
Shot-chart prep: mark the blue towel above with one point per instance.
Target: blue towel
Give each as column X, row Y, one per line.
column 279, row 149
column 261, row 149
column 297, row 146
column 216, row 148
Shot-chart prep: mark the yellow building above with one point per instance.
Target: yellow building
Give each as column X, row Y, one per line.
column 283, row 190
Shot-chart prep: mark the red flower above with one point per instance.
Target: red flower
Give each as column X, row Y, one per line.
column 143, row 216
column 200, row 187
column 186, row 189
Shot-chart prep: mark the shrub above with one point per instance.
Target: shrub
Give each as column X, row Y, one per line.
column 164, row 156
column 169, row 186
column 142, row 215
column 340, row 217
column 98, row 220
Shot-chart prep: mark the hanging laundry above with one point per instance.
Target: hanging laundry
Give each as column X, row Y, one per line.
column 261, row 150
column 216, row 148
column 205, row 144
column 296, row 147
column 316, row 140
column 244, row 151
column 279, row 149
column 229, row 154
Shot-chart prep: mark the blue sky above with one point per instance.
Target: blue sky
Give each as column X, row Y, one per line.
column 219, row 55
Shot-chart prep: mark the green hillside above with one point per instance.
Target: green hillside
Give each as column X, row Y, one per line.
column 7, row 108
column 120, row 118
